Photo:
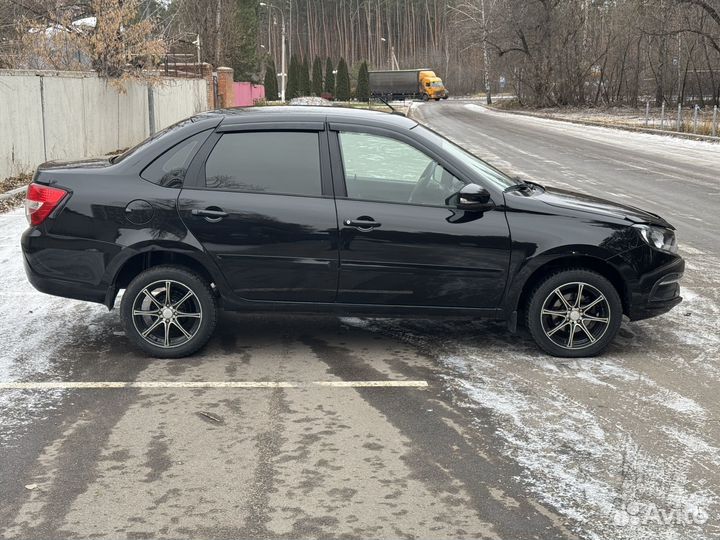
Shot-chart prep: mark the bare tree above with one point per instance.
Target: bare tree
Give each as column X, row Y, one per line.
column 109, row 36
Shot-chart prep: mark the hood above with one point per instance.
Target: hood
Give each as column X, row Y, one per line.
column 579, row 202
column 92, row 163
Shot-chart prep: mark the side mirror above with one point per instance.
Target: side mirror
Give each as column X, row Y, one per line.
column 471, row 197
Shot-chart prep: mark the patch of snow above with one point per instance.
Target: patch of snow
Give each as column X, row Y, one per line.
column 586, row 461
column 34, row 328
column 311, row 100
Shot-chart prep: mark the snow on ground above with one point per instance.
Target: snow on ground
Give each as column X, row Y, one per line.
column 34, row 327
column 611, row 442
column 592, row 436
column 639, row 140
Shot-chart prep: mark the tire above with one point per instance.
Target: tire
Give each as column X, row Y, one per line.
column 561, row 326
column 181, row 326
column 425, row 97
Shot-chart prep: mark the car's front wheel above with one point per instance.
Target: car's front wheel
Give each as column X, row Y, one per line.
column 574, row 313
column 168, row 312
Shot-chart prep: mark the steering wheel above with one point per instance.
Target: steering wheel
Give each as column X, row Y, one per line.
column 423, row 181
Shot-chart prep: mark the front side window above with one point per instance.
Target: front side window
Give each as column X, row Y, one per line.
column 383, row 169
column 487, row 173
column 266, row 162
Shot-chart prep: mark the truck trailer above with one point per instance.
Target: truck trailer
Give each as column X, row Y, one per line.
column 407, row 83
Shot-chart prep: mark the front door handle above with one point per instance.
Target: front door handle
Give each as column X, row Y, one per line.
column 213, row 214
column 364, row 223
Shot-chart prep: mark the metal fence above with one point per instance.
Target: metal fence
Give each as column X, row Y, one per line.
column 695, row 119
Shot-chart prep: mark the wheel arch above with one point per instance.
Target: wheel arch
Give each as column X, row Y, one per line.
column 566, row 262
column 132, row 265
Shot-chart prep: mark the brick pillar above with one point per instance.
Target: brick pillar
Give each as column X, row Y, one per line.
column 207, row 73
column 226, row 90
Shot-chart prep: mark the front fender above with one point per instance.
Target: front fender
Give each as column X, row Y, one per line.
column 585, row 255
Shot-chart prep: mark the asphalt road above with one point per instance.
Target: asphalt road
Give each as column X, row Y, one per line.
column 503, row 442
column 676, row 178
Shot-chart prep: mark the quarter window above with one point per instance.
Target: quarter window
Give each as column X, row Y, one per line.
column 169, row 169
column 383, row 169
column 266, row 162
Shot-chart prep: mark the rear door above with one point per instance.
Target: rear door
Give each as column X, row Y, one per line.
column 262, row 206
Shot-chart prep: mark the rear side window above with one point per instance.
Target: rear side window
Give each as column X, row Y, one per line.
column 266, row 162
column 169, row 169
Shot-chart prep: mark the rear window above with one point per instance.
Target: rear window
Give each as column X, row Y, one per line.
column 159, row 135
column 266, row 162
column 169, row 169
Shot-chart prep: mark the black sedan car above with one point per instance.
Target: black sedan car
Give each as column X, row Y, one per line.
column 302, row 209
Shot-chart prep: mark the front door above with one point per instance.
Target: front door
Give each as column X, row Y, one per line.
column 260, row 210
column 400, row 242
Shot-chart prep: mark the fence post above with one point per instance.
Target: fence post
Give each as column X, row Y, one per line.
column 662, row 116
column 151, row 109
column 647, row 112
column 679, row 118
column 695, row 115
column 714, row 123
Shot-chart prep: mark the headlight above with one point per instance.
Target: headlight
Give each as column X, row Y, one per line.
column 658, row 237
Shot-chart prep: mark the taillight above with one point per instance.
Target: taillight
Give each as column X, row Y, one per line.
column 41, row 201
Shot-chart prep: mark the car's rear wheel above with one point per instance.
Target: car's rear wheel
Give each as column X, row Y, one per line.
column 574, row 313
column 168, row 312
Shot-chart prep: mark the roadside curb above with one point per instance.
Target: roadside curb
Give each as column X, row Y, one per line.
column 650, row 131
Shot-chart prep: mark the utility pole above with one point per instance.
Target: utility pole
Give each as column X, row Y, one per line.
column 283, row 71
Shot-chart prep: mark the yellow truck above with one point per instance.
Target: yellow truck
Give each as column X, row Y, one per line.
column 407, row 83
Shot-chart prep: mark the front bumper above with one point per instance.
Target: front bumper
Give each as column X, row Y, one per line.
column 657, row 291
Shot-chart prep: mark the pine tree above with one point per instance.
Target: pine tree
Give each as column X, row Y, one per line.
column 317, row 78
column 293, row 86
column 329, row 78
column 342, row 90
column 242, row 42
column 271, row 82
column 305, row 85
column 362, row 92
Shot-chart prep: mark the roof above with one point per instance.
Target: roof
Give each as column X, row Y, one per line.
column 298, row 113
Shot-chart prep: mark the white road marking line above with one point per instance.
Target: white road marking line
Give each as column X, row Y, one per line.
column 65, row 385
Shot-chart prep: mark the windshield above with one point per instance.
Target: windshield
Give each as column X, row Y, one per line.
column 487, row 172
column 437, row 84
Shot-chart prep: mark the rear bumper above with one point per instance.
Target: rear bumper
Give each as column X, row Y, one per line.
column 43, row 264
column 658, row 291
column 59, row 287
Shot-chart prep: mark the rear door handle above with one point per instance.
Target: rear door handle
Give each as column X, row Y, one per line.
column 362, row 224
column 212, row 214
